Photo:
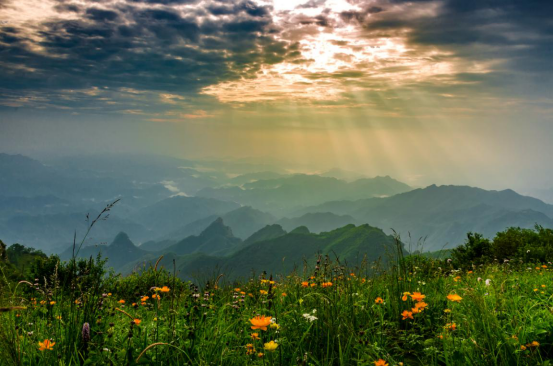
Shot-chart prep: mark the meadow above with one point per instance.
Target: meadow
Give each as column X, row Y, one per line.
column 419, row 311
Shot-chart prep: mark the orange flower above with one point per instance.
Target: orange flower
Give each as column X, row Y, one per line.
column 415, row 310
column 144, row 299
column 405, row 294
column 250, row 349
column 237, row 289
column 327, row 284
column 52, row 303
column 122, row 301
column 313, row 284
column 137, row 321
column 534, row 344
column 46, row 345
column 421, row 305
column 407, row 315
column 284, row 294
column 451, row 327
column 156, row 296
column 255, row 336
column 305, row 284
column 263, row 291
column 260, row 322
column 454, row 298
column 378, row 301
column 417, row 296
column 165, row 289
column 381, row 362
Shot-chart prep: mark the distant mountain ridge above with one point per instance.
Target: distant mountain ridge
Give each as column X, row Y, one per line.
column 444, row 214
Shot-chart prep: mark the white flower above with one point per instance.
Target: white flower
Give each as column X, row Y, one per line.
column 314, row 311
column 309, row 317
column 488, row 281
column 479, row 279
column 273, row 320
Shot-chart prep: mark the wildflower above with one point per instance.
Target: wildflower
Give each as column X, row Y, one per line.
column 447, row 310
column 381, row 362
column 164, row 289
column 417, row 296
column 327, row 284
column 260, row 322
column 407, row 315
column 488, row 282
column 271, row 346
column 544, row 266
column 534, row 344
column 250, row 349
column 378, row 301
column 155, row 318
column 77, row 302
column 440, row 336
column 52, row 303
column 243, row 293
column 156, row 296
column 274, row 325
column 42, row 302
column 284, row 294
column 415, row 310
column 135, row 305
column 46, row 345
column 263, row 281
column 58, row 317
column 255, row 336
column 260, row 355
column 454, row 298
column 421, row 305
column 522, row 347
column 309, row 317
column 122, row 301
column 305, row 284
column 137, row 321
column 451, row 327
column 457, row 278
column 109, row 294
column 85, row 333
column 543, row 285
column 144, row 299
column 313, row 285
column 405, row 294
column 263, row 291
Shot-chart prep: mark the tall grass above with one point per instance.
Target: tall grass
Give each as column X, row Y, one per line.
column 328, row 315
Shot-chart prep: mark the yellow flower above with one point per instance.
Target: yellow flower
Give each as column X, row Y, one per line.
column 155, row 318
column 522, row 347
column 58, row 317
column 454, row 298
column 109, row 294
column 260, row 322
column 381, row 362
column 250, row 349
column 260, row 355
column 271, row 346
column 263, row 291
column 447, row 310
column 274, row 325
column 52, row 303
column 378, row 301
column 46, row 345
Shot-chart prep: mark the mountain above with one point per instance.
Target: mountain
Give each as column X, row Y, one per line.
column 119, row 252
column 281, row 195
column 286, row 253
column 53, row 232
column 171, row 214
column 444, row 214
column 317, row 222
column 266, row 233
column 217, row 239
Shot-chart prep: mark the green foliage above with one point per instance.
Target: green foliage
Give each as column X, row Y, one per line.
column 517, row 244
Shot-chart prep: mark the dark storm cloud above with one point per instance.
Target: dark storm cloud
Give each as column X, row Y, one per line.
column 158, row 48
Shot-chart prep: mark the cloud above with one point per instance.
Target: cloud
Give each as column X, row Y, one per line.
column 247, row 52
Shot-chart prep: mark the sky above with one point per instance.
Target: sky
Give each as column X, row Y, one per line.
column 428, row 91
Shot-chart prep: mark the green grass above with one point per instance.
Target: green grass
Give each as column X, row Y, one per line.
column 492, row 321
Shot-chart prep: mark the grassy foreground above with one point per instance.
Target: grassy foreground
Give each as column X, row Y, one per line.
column 420, row 313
